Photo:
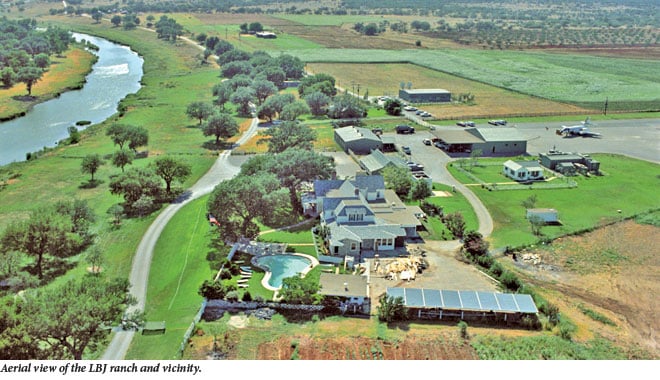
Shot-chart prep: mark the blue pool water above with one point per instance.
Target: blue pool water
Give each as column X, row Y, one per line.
column 282, row 266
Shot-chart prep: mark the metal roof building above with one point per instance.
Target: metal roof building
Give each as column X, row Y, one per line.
column 491, row 140
column 426, row 95
column 434, row 303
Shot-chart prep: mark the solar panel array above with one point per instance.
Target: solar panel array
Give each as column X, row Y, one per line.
column 468, row 300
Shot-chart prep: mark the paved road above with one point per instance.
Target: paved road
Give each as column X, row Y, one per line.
column 225, row 167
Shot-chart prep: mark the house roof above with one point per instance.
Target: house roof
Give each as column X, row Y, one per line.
column 352, row 133
column 377, row 160
column 321, row 187
column 344, row 285
column 517, row 165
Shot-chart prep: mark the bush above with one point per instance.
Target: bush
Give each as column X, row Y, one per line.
column 247, row 297
column 566, row 329
column 510, row 281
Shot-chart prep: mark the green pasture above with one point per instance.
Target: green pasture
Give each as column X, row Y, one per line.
column 436, row 230
column 554, row 76
column 178, row 268
column 628, row 185
column 335, row 20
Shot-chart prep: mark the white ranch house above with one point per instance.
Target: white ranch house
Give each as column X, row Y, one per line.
column 523, row 170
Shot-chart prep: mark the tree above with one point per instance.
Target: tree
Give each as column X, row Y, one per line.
column 29, row 75
column 318, row 82
column 346, row 107
column 42, row 61
column 119, row 133
column 398, row 179
column 420, row 190
column 122, row 157
column 529, row 202
column 292, row 111
column 317, row 102
column 455, row 223
column 255, row 27
column 300, row 290
column 273, row 105
column 233, row 68
column 474, row 157
column 237, row 202
column 81, row 216
column 97, row 16
column 295, row 166
column 71, row 318
column 391, row 309
column 95, row 259
column 393, row 107
column 243, row 98
column 116, row 20
column 138, row 136
column 199, row 111
column 91, row 163
column 293, row 67
column 222, row 91
column 371, row 29
column 134, row 184
column 8, row 76
column 474, row 243
column 220, row 125
column 289, row 135
column 170, row 169
column 536, row 223
column 44, row 233
column 262, row 89
column 168, row 29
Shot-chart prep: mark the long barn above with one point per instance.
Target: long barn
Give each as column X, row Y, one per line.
column 465, row 304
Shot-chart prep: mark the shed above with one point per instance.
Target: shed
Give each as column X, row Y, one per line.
column 548, row 215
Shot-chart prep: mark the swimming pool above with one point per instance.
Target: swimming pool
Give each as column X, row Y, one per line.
column 279, row 267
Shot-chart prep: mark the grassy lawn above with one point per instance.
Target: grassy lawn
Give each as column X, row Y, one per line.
column 64, row 74
column 178, row 268
column 627, row 185
column 436, row 230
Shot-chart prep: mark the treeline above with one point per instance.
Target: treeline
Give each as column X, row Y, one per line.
column 25, row 51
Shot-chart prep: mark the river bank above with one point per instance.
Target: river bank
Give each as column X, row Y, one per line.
column 66, row 73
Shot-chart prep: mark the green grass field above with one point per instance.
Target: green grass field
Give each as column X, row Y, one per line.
column 178, row 268
column 627, row 185
column 560, row 77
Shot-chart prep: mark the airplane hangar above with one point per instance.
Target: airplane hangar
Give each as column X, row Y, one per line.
column 491, row 141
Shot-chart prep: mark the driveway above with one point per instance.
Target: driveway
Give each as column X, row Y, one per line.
column 225, row 167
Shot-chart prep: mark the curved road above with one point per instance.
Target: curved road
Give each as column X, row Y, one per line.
column 221, row 170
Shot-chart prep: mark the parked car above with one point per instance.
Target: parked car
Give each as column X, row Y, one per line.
column 404, row 129
column 466, row 124
column 405, row 149
column 426, row 114
column 409, row 108
column 439, row 144
column 377, row 131
column 497, row 122
column 427, row 141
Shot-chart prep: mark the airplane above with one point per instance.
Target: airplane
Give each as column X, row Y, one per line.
column 578, row 130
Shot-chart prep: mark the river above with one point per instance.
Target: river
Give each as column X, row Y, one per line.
column 117, row 73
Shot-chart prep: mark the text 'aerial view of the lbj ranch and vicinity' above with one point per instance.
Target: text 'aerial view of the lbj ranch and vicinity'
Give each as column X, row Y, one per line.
column 328, row 180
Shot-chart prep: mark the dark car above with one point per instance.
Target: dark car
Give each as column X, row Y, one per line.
column 405, row 149
column 404, row 129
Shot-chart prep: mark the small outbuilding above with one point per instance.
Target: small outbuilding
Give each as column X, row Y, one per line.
column 352, row 291
column 547, row 215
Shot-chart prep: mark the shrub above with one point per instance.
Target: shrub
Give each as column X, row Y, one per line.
column 510, row 281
